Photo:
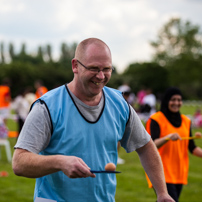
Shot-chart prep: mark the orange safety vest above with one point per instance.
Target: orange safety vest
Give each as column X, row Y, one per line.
column 174, row 154
column 5, row 96
column 40, row 91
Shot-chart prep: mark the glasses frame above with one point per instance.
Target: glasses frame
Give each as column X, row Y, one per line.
column 105, row 70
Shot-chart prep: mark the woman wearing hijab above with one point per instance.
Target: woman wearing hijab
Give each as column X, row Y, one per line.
column 171, row 132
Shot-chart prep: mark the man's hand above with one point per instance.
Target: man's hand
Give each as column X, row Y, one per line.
column 164, row 198
column 75, row 167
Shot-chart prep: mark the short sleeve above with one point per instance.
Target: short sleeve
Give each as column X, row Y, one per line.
column 36, row 132
column 135, row 135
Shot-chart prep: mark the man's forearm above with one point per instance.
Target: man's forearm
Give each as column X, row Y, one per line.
column 152, row 165
column 32, row 165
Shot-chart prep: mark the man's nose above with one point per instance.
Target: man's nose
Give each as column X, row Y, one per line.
column 100, row 75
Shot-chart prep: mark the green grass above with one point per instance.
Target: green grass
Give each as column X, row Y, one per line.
column 189, row 109
column 13, row 188
column 131, row 183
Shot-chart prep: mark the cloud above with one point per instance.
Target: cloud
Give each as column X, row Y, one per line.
column 126, row 26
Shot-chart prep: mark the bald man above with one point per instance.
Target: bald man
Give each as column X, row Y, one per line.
column 75, row 128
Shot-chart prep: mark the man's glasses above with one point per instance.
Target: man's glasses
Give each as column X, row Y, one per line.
column 96, row 69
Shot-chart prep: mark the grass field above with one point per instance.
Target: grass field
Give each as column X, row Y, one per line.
column 131, row 183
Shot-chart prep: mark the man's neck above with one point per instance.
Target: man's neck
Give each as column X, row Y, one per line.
column 88, row 100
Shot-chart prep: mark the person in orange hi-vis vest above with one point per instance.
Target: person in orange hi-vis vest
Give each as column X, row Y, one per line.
column 171, row 132
column 40, row 89
column 5, row 99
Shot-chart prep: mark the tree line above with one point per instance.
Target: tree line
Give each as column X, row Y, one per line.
column 177, row 61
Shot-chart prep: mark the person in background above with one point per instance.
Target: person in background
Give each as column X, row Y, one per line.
column 148, row 106
column 76, row 127
column 40, row 88
column 140, row 95
column 21, row 107
column 3, row 129
column 127, row 93
column 5, row 99
column 171, row 133
column 30, row 95
column 149, row 102
column 197, row 119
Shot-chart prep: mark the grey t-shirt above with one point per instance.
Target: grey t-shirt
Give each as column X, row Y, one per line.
column 36, row 132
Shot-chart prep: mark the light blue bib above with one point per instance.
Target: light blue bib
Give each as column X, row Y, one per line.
column 95, row 143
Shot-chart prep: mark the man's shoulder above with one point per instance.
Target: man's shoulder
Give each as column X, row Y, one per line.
column 54, row 92
column 112, row 90
column 115, row 96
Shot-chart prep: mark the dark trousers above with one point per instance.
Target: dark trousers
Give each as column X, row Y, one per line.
column 174, row 190
column 20, row 125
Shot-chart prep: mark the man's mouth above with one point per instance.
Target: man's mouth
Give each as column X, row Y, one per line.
column 97, row 83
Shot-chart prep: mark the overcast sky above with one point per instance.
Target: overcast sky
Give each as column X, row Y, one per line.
column 126, row 26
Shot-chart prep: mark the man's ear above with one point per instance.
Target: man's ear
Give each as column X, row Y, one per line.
column 74, row 65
